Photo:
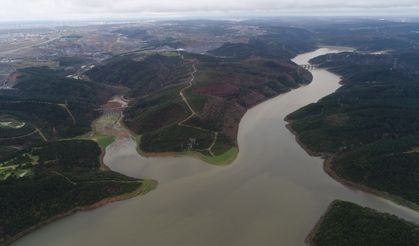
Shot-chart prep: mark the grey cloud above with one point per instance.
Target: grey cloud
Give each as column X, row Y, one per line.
column 48, row 9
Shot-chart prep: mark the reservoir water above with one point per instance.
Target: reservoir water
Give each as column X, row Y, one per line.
column 272, row 194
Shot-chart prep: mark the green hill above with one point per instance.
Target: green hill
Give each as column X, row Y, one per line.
column 369, row 125
column 222, row 90
column 347, row 224
column 49, row 181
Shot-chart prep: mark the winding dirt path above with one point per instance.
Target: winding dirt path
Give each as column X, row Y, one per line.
column 182, row 94
column 41, row 134
column 37, row 130
column 185, row 100
column 193, row 113
column 68, row 112
column 61, row 105
column 21, row 136
column 213, row 143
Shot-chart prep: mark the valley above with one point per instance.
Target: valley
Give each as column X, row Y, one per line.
column 246, row 132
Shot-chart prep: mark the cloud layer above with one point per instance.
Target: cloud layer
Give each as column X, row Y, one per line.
column 67, row 9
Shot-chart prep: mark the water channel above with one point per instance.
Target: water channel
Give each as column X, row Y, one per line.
column 272, row 194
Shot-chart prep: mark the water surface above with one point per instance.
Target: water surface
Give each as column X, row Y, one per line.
column 272, row 194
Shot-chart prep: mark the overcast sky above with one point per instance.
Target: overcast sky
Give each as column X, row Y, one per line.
column 15, row 10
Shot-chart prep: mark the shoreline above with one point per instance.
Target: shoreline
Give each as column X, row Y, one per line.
column 143, row 189
column 170, row 153
column 327, row 167
column 196, row 154
column 309, row 238
column 146, row 186
column 101, row 160
column 309, row 151
column 192, row 154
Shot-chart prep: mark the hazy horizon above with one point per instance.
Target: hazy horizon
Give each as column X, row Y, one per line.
column 56, row 10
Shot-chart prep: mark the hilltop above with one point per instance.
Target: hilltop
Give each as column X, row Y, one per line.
column 216, row 91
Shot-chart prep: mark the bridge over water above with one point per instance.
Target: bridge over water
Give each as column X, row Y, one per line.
column 308, row 66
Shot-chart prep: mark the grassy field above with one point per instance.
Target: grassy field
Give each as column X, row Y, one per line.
column 104, row 129
column 223, row 159
column 104, row 140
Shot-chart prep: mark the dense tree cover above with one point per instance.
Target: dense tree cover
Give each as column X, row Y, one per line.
column 142, row 74
column 224, row 88
column 347, row 224
column 49, row 85
column 263, row 46
column 69, row 154
column 11, row 146
column 389, row 165
column 64, row 177
column 358, row 115
column 42, row 97
column 51, row 106
column 39, row 180
column 221, row 92
column 277, row 42
column 53, row 119
column 176, row 138
column 156, row 111
column 365, row 120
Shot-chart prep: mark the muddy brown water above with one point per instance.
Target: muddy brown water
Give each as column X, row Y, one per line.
column 272, row 194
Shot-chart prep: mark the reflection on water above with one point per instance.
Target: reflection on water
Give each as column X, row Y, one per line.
column 272, row 194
